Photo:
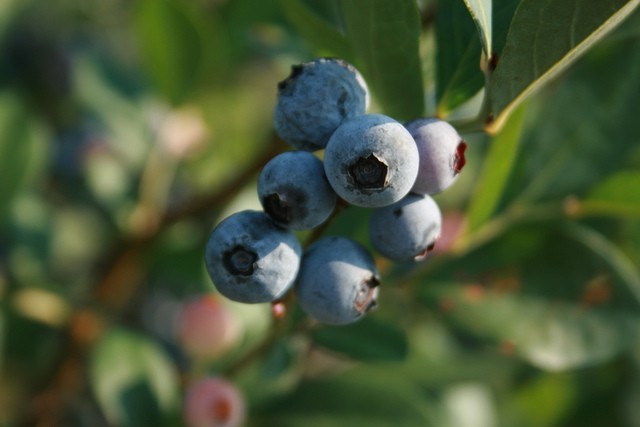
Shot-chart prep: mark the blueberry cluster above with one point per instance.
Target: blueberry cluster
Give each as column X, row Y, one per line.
column 370, row 160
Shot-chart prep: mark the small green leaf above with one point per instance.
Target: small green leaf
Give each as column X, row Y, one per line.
column 543, row 40
column 616, row 194
column 133, row 380
column 385, row 35
column 23, row 148
column 319, row 33
column 367, row 340
column 557, row 393
column 458, row 57
column 170, row 46
column 496, row 169
column 481, row 12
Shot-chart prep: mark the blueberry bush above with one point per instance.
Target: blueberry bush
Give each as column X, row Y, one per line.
column 507, row 297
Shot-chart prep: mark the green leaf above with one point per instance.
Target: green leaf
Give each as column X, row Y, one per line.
column 170, row 45
column 458, row 57
column 496, row 169
column 588, row 126
column 360, row 398
column 319, row 33
column 609, row 252
column 23, row 148
column 551, row 336
column 369, row 339
column 617, row 194
column 560, row 298
column 133, row 380
column 385, row 35
column 557, row 393
column 482, row 14
column 543, row 40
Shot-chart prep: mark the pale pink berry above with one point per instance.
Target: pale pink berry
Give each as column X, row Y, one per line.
column 213, row 402
column 207, row 328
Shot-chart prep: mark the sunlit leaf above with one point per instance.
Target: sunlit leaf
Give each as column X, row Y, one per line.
column 369, row 340
column 496, row 169
column 555, row 392
column 385, row 35
column 134, row 381
column 543, row 40
column 481, row 11
column 617, row 194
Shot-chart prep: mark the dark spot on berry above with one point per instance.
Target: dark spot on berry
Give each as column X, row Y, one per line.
column 369, row 173
column 366, row 298
column 397, row 212
column 240, row 261
column 277, row 208
column 341, row 101
column 459, row 161
column 287, row 205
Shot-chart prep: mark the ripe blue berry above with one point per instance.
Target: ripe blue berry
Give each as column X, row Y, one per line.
column 441, row 154
column 406, row 230
column 371, row 160
column 250, row 259
column 294, row 190
column 315, row 99
column 338, row 281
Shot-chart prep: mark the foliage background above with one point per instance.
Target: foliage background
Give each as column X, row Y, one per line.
column 127, row 129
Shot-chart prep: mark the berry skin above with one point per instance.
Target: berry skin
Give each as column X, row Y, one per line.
column 406, row 230
column 207, row 328
column 371, row 161
column 441, row 154
column 250, row 259
column 338, row 281
column 294, row 190
column 214, row 402
column 315, row 99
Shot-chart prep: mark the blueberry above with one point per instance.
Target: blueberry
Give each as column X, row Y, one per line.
column 338, row 281
column 371, row 160
column 406, row 230
column 315, row 99
column 294, row 190
column 251, row 259
column 441, row 154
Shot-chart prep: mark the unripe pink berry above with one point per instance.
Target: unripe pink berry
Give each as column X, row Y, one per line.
column 213, row 402
column 207, row 328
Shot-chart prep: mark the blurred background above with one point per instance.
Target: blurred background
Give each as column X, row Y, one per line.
column 129, row 128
